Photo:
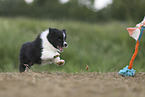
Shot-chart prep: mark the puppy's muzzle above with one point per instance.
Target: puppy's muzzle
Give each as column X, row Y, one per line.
column 65, row 44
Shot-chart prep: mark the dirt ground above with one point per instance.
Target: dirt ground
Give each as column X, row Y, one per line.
column 71, row 85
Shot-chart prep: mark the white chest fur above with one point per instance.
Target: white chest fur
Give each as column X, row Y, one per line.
column 48, row 51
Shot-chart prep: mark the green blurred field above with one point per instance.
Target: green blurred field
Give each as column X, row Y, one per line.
column 104, row 47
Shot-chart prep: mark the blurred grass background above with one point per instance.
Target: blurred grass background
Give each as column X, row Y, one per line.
column 104, row 47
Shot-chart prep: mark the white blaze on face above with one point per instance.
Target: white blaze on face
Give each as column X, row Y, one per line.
column 65, row 43
column 64, row 36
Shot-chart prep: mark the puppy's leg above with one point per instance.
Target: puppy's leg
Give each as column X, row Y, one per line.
column 22, row 67
column 27, row 68
column 58, row 61
column 56, row 55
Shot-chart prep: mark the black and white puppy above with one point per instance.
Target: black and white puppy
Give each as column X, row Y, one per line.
column 44, row 49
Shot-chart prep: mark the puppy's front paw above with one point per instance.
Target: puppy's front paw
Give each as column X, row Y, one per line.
column 61, row 62
column 57, row 55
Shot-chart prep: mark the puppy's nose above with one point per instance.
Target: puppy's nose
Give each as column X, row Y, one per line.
column 65, row 44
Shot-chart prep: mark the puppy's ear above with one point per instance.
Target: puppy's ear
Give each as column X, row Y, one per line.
column 49, row 29
column 51, row 32
column 64, row 30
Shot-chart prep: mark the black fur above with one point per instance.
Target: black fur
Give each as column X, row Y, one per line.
column 30, row 53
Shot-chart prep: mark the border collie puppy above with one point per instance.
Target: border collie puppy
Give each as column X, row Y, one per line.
column 44, row 49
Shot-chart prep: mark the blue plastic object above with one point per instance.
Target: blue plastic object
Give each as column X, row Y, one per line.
column 127, row 72
column 142, row 29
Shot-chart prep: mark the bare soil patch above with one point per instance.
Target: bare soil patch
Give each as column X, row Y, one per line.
column 71, row 85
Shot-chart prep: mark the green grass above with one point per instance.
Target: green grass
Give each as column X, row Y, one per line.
column 104, row 47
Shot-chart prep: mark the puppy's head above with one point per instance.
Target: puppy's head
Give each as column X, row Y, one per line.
column 57, row 38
